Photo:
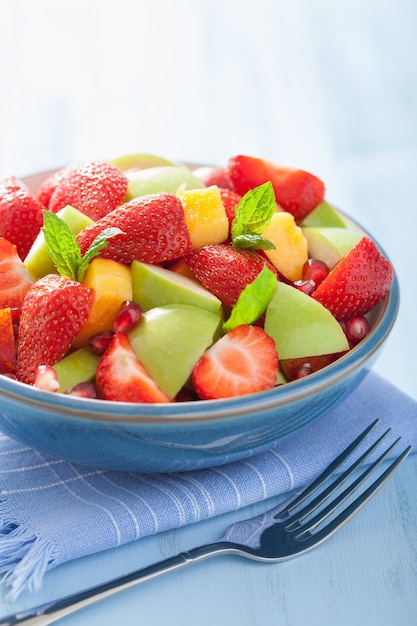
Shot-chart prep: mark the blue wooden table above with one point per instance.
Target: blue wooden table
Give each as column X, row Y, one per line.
column 330, row 87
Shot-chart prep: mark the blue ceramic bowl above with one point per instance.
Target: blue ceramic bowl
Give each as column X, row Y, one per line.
column 187, row 435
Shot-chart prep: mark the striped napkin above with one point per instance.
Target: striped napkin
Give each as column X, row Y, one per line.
column 44, row 500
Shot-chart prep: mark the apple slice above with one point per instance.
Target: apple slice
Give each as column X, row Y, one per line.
column 38, row 260
column 167, row 178
column 324, row 215
column 299, row 328
column 77, row 367
column 330, row 244
column 153, row 286
column 170, row 339
column 130, row 163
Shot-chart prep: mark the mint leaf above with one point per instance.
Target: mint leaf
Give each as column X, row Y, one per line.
column 253, row 213
column 64, row 250
column 252, row 301
column 252, row 241
column 95, row 248
column 62, row 245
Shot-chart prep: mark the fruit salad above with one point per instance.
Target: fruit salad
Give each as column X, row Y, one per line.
column 144, row 280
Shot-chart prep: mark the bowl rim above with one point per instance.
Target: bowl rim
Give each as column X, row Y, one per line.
column 385, row 314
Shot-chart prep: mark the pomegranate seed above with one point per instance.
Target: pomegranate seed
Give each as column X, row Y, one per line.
column 304, row 370
column 356, row 328
column 83, row 390
column 101, row 341
column 306, row 286
column 46, row 378
column 127, row 317
column 315, row 270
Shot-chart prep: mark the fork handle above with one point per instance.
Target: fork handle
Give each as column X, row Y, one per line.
column 51, row 612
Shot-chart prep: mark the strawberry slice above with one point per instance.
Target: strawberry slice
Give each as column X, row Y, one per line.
column 225, row 270
column 94, row 188
column 53, row 313
column 154, row 230
column 243, row 361
column 15, row 279
column 357, row 283
column 20, row 215
column 120, row 376
column 296, row 191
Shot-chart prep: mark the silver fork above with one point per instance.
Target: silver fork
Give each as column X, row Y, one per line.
column 292, row 528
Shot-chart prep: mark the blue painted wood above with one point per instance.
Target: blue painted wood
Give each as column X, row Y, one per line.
column 330, row 87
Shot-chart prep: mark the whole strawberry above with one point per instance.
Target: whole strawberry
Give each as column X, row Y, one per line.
column 53, row 312
column 154, row 230
column 225, row 270
column 357, row 283
column 94, row 188
column 20, row 215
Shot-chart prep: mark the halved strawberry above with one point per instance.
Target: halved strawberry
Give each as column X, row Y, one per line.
column 15, row 279
column 243, row 361
column 154, row 230
column 20, row 215
column 94, row 188
column 53, row 313
column 357, row 283
column 120, row 375
column 296, row 191
column 225, row 270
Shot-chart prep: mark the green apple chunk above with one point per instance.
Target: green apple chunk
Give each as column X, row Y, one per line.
column 170, row 339
column 78, row 367
column 38, row 260
column 301, row 326
column 166, row 178
column 324, row 215
column 154, row 286
column 129, row 163
column 330, row 244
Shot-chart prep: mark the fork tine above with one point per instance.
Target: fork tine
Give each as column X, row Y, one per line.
column 300, row 515
column 358, row 503
column 329, row 471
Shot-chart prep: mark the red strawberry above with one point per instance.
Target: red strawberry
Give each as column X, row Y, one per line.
column 53, row 313
column 94, row 188
column 357, row 283
column 154, row 230
column 296, row 191
column 7, row 342
column 20, row 215
column 120, row 375
column 225, row 270
column 15, row 280
column 243, row 361
column 230, row 200
column 49, row 185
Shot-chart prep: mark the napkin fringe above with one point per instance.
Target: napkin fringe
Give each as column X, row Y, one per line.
column 24, row 558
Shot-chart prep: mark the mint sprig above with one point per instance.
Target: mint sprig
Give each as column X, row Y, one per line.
column 252, row 216
column 64, row 250
column 252, row 301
